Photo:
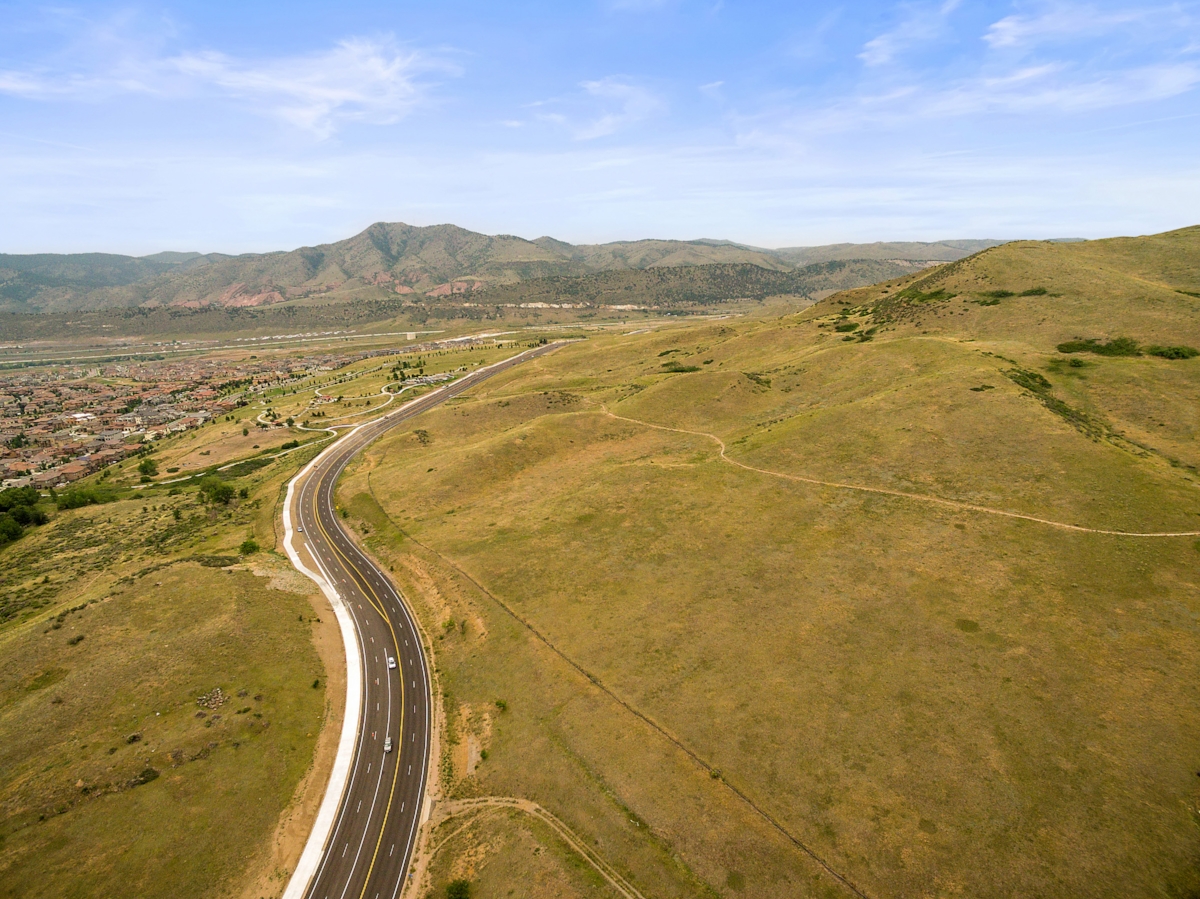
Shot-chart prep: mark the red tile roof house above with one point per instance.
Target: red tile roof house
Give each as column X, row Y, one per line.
column 73, row 471
column 50, row 478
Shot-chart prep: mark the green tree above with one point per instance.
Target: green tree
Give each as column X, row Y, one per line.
column 249, row 546
column 148, row 467
column 216, row 491
column 9, row 528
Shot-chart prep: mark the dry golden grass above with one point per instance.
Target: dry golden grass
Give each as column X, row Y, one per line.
column 932, row 700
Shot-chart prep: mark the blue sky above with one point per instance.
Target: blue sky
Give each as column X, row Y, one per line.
column 254, row 126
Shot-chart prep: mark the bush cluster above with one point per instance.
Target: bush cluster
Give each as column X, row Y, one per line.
column 1126, row 346
column 79, row 497
column 18, row 510
column 214, row 490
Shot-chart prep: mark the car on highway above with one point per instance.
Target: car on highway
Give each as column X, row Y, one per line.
column 391, row 662
column 387, row 744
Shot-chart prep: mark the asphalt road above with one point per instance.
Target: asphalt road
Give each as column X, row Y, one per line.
column 368, row 853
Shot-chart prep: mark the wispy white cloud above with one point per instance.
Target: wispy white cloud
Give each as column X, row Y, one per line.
column 623, row 102
column 1052, row 87
column 1072, row 21
column 922, row 24
column 358, row 80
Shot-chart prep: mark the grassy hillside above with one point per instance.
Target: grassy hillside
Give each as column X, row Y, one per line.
column 937, row 251
column 392, row 256
column 694, row 285
column 789, row 608
column 677, row 289
column 118, row 622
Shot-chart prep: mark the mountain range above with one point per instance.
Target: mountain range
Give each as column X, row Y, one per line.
column 395, row 258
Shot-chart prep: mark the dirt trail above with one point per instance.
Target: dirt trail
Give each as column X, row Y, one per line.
column 936, row 500
column 444, row 811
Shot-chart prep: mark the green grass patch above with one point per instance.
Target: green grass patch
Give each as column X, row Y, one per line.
column 914, row 293
column 1118, row 346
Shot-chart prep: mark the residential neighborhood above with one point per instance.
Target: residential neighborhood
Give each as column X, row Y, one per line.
column 62, row 423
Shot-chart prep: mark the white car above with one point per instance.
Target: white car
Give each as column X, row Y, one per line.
column 387, row 744
column 391, row 662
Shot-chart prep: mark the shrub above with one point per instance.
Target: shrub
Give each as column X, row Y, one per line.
column 83, row 496
column 912, row 293
column 999, row 294
column 676, row 368
column 249, row 547
column 1030, row 380
column 458, row 889
column 1118, row 346
column 1034, row 292
column 847, row 326
column 25, row 515
column 216, row 491
column 10, row 529
column 1173, row 352
column 18, row 496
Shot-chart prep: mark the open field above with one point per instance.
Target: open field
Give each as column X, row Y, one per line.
column 119, row 617
column 754, row 679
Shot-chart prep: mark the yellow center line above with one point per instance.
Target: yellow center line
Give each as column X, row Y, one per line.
column 375, row 601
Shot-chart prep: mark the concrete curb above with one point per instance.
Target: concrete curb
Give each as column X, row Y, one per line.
column 339, row 778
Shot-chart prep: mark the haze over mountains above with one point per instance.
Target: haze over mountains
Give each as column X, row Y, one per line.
column 396, row 258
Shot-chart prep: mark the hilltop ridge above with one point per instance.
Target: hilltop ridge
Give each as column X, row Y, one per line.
column 395, row 258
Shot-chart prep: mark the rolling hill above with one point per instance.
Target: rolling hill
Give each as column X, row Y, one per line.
column 892, row 596
column 387, row 258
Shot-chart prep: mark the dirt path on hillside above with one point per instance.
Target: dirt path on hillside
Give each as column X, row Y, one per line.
column 445, row 811
column 884, row 491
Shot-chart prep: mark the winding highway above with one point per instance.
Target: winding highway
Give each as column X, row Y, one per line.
column 363, row 849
